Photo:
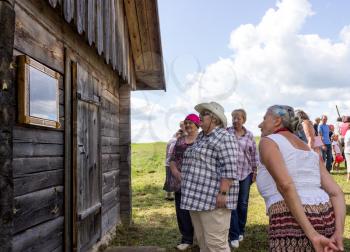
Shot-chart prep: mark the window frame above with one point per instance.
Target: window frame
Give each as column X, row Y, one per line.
column 24, row 64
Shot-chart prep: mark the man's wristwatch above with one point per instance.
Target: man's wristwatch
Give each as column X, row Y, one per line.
column 223, row 193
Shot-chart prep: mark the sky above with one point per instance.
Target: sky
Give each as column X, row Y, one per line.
column 248, row 54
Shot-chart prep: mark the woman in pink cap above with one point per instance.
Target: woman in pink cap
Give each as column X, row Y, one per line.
column 184, row 222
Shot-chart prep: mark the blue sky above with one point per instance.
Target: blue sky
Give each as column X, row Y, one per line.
column 248, row 54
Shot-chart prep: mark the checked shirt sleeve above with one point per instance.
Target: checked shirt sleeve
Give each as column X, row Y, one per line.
column 228, row 159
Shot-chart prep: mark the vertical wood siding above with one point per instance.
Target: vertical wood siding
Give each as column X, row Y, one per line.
column 103, row 24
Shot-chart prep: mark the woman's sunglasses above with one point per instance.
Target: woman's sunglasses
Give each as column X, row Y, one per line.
column 205, row 113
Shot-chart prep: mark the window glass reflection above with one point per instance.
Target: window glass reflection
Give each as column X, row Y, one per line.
column 43, row 95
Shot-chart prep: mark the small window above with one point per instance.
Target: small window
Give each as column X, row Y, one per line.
column 38, row 93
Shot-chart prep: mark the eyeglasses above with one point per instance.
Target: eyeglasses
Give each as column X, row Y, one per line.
column 204, row 113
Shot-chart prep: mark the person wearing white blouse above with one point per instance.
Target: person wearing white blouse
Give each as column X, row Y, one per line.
column 306, row 207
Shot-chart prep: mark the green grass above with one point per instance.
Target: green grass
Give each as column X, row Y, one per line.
column 154, row 220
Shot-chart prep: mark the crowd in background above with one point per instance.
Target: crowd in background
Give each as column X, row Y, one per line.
column 209, row 174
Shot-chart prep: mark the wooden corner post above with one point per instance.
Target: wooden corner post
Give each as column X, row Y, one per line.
column 7, row 121
column 125, row 145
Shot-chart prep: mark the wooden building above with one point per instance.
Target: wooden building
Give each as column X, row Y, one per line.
column 67, row 68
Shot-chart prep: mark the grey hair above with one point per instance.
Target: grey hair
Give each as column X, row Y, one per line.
column 286, row 113
column 243, row 113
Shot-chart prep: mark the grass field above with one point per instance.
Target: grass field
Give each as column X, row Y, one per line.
column 154, row 220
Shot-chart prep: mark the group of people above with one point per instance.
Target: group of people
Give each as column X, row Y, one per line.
column 334, row 141
column 211, row 172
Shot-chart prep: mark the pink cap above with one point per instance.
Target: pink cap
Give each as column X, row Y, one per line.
column 193, row 118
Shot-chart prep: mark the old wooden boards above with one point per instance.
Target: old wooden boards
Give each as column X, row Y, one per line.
column 106, row 25
column 143, row 24
column 86, row 166
column 7, row 120
column 102, row 23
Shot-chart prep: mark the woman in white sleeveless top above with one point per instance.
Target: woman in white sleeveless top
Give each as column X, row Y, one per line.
column 306, row 207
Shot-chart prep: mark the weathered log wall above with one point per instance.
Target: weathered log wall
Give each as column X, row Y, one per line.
column 7, row 120
column 41, row 156
column 110, row 158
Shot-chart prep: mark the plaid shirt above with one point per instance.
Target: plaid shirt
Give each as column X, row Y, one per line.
column 248, row 158
column 210, row 158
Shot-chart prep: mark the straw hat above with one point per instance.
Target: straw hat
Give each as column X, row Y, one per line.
column 215, row 108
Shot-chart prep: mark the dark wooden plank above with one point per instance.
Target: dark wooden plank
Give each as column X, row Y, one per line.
column 110, row 200
column 37, row 181
column 53, row 3
column 119, row 36
column 80, row 15
column 109, row 132
column 89, row 211
column 110, row 123
column 88, row 170
column 99, row 26
column 91, row 12
column 109, row 181
column 107, row 141
column 61, row 97
column 124, row 58
column 37, row 135
column 111, row 149
column 110, row 98
column 36, row 150
column 59, row 249
column 107, row 30
column 68, row 191
column 68, row 10
column 75, row 151
column 90, row 231
column 48, row 205
column 113, row 35
column 34, row 40
column 110, row 162
column 45, row 237
column 110, row 219
column 124, row 118
column 83, row 87
column 125, row 188
column 23, row 166
column 7, row 121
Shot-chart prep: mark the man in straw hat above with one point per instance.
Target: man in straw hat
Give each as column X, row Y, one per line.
column 209, row 183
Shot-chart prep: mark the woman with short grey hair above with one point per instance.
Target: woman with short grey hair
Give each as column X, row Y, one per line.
column 247, row 167
column 297, row 188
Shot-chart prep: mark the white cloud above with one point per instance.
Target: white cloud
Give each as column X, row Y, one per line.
column 273, row 63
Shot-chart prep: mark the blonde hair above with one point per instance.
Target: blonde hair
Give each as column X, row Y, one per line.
column 302, row 115
column 240, row 111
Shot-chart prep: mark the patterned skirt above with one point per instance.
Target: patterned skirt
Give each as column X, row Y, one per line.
column 286, row 235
